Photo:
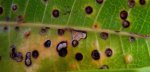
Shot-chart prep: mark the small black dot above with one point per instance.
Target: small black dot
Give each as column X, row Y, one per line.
column 35, row 54
column 104, row 67
column 17, row 28
column 62, row 52
column 47, row 43
column 5, row 28
column 61, row 32
column 75, row 43
column 28, row 62
column 142, row 2
column 88, row 9
column 125, row 24
column 1, row 10
column 104, row 35
column 78, row 56
column 131, row 3
column 95, row 54
column 55, row 13
column 123, row 14
column 132, row 39
column 108, row 52
column 14, row 7
column 99, row 1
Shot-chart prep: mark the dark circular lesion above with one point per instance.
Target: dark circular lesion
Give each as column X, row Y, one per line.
column 88, row 10
column 75, row 43
column 35, row 54
column 142, row 2
column 99, row 1
column 28, row 61
column 95, row 55
column 104, row 35
column 131, row 3
column 1, row 10
column 14, row 7
column 123, row 14
column 60, row 32
column 125, row 23
column 78, row 56
column 55, row 13
column 108, row 52
column 132, row 39
column 61, row 48
column 47, row 43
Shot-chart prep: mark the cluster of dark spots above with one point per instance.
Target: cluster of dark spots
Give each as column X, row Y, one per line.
column 88, row 10
column 62, row 48
column 44, row 30
column 35, row 54
column 14, row 7
column 99, row 1
column 17, row 56
column 125, row 23
column 47, row 43
column 55, row 13
column 78, row 56
column 75, row 43
column 131, row 3
column 142, row 2
column 108, row 52
column 60, row 32
column 104, row 35
column 123, row 14
column 104, row 67
column 28, row 61
column 1, row 10
column 132, row 39
column 95, row 55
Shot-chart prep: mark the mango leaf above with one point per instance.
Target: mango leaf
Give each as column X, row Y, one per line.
column 74, row 35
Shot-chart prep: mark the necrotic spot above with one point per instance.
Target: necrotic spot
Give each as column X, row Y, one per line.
column 104, row 67
column 62, row 48
column 131, row 3
column 108, row 52
column 1, row 10
column 55, row 13
column 17, row 28
column 132, row 39
column 60, row 32
column 14, row 7
column 88, row 9
column 125, row 24
column 78, row 56
column 95, row 54
column 28, row 62
column 142, row 2
column 75, row 43
column 62, row 52
column 123, row 14
column 47, row 43
column 35, row 54
column 104, row 35
column 99, row 1
column 5, row 28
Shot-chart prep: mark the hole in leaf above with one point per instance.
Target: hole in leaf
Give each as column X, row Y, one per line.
column 104, row 35
column 75, row 43
column 123, row 14
column 142, row 2
column 47, row 43
column 95, row 54
column 125, row 24
column 35, row 54
column 108, row 52
column 99, row 1
column 131, row 3
column 55, row 13
column 1, row 10
column 14, row 7
column 88, row 9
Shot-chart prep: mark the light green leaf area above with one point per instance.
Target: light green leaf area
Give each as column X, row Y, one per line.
column 32, row 15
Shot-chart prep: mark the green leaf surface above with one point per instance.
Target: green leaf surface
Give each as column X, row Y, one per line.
column 32, row 23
